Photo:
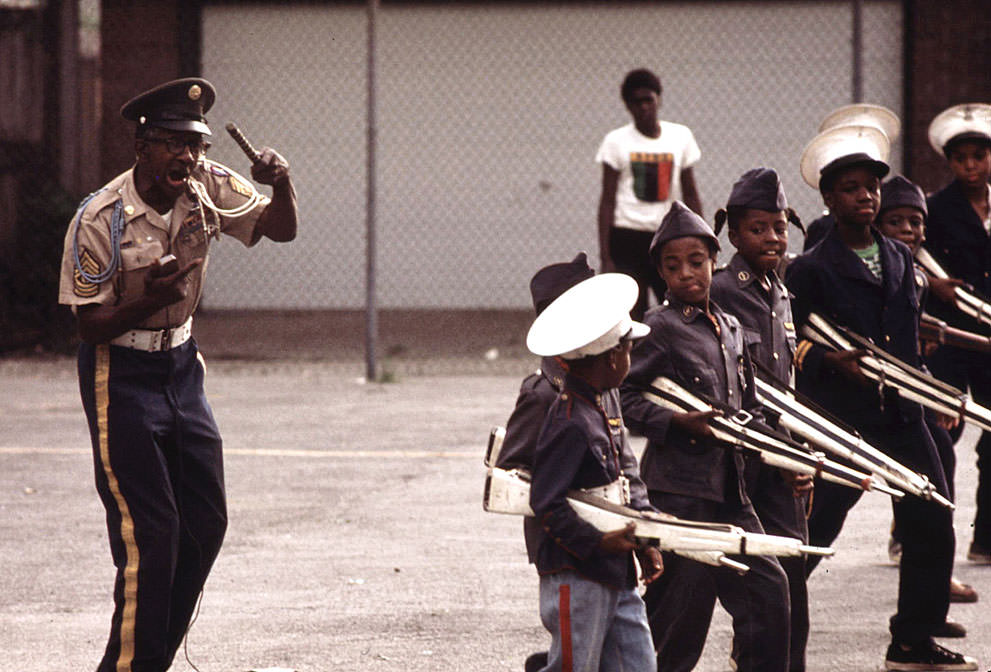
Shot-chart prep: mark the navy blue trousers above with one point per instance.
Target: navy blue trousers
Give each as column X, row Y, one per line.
column 924, row 528
column 159, row 472
column 963, row 369
column 679, row 604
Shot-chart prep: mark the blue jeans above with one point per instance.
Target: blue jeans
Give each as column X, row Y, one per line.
column 594, row 627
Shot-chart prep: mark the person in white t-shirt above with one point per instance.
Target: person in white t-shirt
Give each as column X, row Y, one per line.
column 646, row 165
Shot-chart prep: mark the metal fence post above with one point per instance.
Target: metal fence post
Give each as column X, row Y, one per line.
column 371, row 309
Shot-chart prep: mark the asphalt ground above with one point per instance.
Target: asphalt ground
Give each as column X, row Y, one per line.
column 357, row 539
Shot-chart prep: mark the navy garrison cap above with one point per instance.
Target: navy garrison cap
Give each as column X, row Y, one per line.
column 759, row 189
column 678, row 223
column 900, row 193
column 551, row 281
column 178, row 105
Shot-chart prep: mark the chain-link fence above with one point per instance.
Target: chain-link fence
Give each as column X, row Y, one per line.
column 489, row 117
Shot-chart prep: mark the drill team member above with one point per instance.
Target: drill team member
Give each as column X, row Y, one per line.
column 864, row 281
column 959, row 237
column 588, row 597
column 687, row 473
column 748, row 288
column 156, row 447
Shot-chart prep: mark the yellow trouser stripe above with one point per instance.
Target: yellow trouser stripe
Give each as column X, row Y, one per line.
column 102, row 389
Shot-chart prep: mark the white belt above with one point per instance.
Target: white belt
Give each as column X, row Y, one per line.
column 617, row 492
column 155, row 340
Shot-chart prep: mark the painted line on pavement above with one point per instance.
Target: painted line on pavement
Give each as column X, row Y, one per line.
column 270, row 452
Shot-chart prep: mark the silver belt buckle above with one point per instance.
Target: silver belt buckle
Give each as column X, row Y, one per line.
column 166, row 340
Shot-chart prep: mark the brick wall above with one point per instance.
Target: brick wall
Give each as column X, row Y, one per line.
column 141, row 49
column 948, row 61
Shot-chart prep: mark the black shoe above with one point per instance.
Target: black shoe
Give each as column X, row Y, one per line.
column 535, row 662
column 950, row 629
column 926, row 657
column 979, row 554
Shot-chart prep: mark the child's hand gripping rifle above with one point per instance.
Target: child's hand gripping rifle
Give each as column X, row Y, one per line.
column 711, row 543
column 741, row 428
column 804, row 418
column 966, row 300
column 889, row 371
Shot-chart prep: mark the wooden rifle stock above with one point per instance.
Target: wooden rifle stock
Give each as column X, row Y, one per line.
column 937, row 331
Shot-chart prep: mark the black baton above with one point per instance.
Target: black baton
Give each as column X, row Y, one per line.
column 253, row 154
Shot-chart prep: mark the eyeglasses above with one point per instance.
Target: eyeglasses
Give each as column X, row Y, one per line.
column 176, row 145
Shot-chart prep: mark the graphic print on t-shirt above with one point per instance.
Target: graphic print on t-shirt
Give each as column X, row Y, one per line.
column 651, row 175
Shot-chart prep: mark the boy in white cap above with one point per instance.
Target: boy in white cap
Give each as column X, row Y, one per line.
column 588, row 597
column 957, row 236
column 865, row 282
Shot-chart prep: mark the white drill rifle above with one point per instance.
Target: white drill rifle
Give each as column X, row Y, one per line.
column 741, row 428
column 889, row 371
column 803, row 417
column 966, row 300
column 508, row 491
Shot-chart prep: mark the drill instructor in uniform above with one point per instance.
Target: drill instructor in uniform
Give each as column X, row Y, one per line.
column 132, row 271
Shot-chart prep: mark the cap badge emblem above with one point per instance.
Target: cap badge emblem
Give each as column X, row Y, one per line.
column 743, row 276
column 195, row 92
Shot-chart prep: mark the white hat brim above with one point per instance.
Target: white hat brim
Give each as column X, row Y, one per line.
column 959, row 119
column 838, row 142
column 864, row 114
column 584, row 314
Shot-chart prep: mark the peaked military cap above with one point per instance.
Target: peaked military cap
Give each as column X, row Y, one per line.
column 843, row 147
column 587, row 319
column 970, row 121
column 678, row 223
column 760, row 189
column 899, row 192
column 551, row 281
column 178, row 105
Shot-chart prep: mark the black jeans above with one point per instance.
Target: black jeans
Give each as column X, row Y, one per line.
column 628, row 249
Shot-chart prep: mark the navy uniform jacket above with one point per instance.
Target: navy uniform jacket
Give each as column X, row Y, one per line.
column 582, row 445
column 765, row 315
column 537, row 392
column 957, row 240
column 683, row 345
column 830, row 279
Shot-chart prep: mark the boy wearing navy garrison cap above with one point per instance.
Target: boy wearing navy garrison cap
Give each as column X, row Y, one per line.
column 132, row 271
column 688, row 473
column 866, row 282
column 958, row 236
column 588, row 597
column 757, row 215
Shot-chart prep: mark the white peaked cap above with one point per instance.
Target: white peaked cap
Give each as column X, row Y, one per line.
column 858, row 143
column 970, row 119
column 588, row 319
column 864, row 114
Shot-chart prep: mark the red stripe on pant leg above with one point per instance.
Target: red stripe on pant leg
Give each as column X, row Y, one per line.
column 564, row 615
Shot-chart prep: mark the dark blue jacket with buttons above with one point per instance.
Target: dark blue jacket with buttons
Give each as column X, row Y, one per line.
column 956, row 238
column 537, row 393
column 765, row 315
column 831, row 280
column 582, row 445
column 684, row 346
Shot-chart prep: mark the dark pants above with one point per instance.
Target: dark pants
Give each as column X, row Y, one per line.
column 629, row 251
column 679, row 604
column 159, row 473
column 966, row 369
column 925, row 530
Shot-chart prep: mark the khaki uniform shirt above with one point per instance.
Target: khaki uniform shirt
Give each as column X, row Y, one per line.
column 147, row 236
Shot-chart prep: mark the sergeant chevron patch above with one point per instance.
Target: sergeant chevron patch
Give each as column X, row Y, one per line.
column 80, row 286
